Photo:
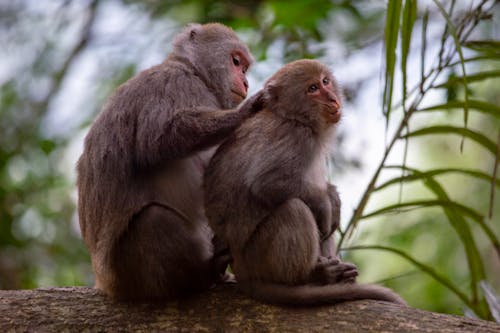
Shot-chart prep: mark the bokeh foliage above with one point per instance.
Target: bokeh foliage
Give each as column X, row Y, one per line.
column 439, row 76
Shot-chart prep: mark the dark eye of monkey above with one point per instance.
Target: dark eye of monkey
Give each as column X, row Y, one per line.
column 236, row 61
column 312, row 88
column 326, row 81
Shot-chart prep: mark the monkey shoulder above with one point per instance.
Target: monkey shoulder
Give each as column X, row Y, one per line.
column 280, row 136
column 169, row 85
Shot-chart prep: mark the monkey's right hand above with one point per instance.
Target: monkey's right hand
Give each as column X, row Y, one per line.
column 335, row 201
column 253, row 104
column 332, row 270
column 321, row 208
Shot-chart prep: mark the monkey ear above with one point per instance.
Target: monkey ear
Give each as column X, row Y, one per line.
column 193, row 29
column 272, row 91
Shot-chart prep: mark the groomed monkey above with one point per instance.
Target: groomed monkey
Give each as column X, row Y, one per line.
column 267, row 197
column 140, row 175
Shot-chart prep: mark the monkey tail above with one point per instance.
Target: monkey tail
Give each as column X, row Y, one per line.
column 319, row 295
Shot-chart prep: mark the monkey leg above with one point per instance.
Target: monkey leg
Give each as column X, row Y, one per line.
column 285, row 249
column 160, row 256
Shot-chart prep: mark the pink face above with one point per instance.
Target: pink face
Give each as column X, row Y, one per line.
column 323, row 93
column 239, row 84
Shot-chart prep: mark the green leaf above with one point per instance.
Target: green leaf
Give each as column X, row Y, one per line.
column 435, row 172
column 470, row 78
column 409, row 17
column 423, row 267
column 493, row 56
column 423, row 49
column 426, row 203
column 484, row 46
column 493, row 300
column 48, row 146
column 491, row 109
column 391, row 41
column 493, row 181
column 458, row 47
column 293, row 14
column 433, row 185
column 457, row 221
column 454, row 212
column 475, row 136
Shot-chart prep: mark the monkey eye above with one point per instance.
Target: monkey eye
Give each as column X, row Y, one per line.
column 326, row 81
column 236, row 61
column 312, row 88
column 245, row 69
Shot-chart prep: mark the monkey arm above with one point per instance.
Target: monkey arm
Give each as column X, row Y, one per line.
column 273, row 189
column 202, row 127
column 335, row 202
column 188, row 130
column 197, row 129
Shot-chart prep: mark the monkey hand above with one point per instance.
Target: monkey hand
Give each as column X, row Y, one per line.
column 322, row 210
column 335, row 202
column 330, row 270
column 221, row 260
column 253, row 104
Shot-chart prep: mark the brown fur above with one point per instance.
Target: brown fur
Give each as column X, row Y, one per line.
column 266, row 195
column 140, row 175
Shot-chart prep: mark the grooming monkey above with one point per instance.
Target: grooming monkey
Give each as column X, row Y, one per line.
column 267, row 197
column 140, row 175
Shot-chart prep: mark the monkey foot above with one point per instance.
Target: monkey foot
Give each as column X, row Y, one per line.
column 227, row 278
column 329, row 270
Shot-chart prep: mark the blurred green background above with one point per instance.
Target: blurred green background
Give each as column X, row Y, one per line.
column 59, row 60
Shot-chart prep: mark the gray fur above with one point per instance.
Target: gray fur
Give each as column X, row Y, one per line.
column 140, row 175
column 267, row 197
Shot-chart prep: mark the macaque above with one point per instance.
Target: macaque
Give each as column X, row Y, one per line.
column 267, row 197
column 140, row 175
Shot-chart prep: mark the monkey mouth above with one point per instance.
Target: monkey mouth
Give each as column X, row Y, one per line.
column 239, row 95
column 333, row 115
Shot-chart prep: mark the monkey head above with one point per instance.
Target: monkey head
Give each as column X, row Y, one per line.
column 219, row 58
column 305, row 91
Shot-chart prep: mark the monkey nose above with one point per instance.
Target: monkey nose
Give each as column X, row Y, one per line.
column 334, row 101
column 245, row 84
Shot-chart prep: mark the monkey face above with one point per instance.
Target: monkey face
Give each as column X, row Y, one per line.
column 321, row 92
column 305, row 91
column 239, row 63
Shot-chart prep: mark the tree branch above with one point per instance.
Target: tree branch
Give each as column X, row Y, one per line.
column 220, row 310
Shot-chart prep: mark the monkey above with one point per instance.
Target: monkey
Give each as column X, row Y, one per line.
column 267, row 197
column 139, row 178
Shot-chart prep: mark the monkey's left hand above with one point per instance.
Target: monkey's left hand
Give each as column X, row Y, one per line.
column 335, row 201
column 253, row 104
column 320, row 206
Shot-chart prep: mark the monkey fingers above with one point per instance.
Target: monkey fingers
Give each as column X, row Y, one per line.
column 253, row 104
column 350, row 274
column 328, row 260
column 259, row 101
column 331, row 270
